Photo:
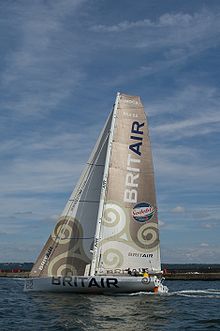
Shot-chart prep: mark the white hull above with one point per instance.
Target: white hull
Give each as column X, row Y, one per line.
column 95, row 284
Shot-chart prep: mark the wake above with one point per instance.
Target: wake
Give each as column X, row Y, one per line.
column 207, row 293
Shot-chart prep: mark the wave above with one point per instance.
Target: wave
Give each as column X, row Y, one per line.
column 141, row 293
column 207, row 293
column 18, row 278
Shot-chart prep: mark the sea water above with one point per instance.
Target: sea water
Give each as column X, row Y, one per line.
column 190, row 305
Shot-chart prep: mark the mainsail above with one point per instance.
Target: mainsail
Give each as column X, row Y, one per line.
column 128, row 235
column 110, row 222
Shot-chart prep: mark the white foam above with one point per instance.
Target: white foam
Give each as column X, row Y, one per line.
column 207, row 293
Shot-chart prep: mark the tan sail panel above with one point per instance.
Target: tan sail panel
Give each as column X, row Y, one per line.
column 129, row 235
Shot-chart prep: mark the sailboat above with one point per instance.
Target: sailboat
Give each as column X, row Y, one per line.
column 107, row 238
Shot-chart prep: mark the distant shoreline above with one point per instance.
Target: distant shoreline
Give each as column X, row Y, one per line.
column 169, row 276
column 192, row 276
column 171, row 271
column 22, row 274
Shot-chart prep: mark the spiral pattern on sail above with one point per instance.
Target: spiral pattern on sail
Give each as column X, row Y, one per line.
column 63, row 230
column 64, row 265
column 67, row 232
column 68, row 256
column 66, row 270
column 114, row 220
column 148, row 236
column 112, row 258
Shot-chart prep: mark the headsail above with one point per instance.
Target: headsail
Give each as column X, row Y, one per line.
column 68, row 249
column 128, row 236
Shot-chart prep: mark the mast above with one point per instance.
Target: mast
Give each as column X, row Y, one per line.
column 103, row 191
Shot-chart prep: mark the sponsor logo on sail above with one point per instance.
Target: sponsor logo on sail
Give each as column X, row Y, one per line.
column 136, row 254
column 131, row 101
column 143, row 212
column 133, row 162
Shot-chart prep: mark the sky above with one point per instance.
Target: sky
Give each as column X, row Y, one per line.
column 61, row 65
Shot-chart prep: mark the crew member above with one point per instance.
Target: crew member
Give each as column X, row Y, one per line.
column 145, row 273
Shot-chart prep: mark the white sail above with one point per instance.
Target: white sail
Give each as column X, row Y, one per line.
column 68, row 249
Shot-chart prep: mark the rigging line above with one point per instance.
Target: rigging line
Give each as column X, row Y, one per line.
column 90, row 201
column 85, row 178
column 105, row 133
column 93, row 166
column 78, row 238
column 72, row 204
column 99, row 150
column 88, row 173
column 64, row 225
column 97, row 165
column 99, row 233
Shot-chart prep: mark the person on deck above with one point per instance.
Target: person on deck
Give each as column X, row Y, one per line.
column 145, row 273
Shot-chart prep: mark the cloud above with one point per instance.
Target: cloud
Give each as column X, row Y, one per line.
column 204, row 245
column 165, row 20
column 192, row 174
column 38, row 72
column 122, row 26
column 18, row 252
column 23, row 213
column 44, row 163
column 161, row 224
column 180, row 34
column 200, row 254
column 166, row 43
column 190, row 127
column 178, row 209
column 184, row 31
column 194, row 110
column 209, row 225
